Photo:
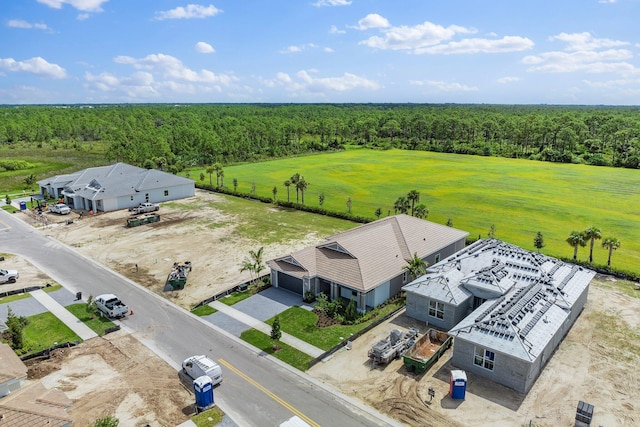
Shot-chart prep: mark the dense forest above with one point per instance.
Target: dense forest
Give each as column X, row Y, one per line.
column 173, row 137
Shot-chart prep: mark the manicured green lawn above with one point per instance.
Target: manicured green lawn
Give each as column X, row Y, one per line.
column 301, row 324
column 45, row 330
column 15, row 297
column 519, row 197
column 204, row 310
column 98, row 324
column 287, row 354
column 235, row 297
column 208, row 418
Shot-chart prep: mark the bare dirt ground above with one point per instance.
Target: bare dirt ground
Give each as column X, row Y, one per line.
column 596, row 363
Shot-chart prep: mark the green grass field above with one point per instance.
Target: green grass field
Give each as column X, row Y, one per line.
column 519, row 197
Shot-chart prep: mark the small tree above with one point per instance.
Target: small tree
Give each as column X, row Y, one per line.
column 7, row 199
column 91, row 307
column 421, row 211
column 201, row 176
column 287, row 184
column 492, row 231
column 15, row 324
column 416, row 266
column 349, row 204
column 210, row 171
column 276, row 333
column 378, row 213
column 275, row 193
column 538, row 241
column 30, row 180
column 449, row 222
column 235, row 184
column 253, row 188
column 321, row 199
column 253, row 264
column 611, row 243
column 108, row 421
column 351, row 313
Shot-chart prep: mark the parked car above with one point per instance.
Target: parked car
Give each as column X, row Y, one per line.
column 8, row 276
column 144, row 208
column 60, row 208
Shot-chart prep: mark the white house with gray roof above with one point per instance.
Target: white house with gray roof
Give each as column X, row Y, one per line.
column 114, row 187
column 507, row 307
column 366, row 263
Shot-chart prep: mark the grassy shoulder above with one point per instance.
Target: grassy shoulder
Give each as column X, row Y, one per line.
column 204, row 310
column 284, row 352
column 235, row 297
column 16, row 297
column 98, row 324
column 208, row 418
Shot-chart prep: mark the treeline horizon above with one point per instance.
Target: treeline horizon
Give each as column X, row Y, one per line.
column 174, row 137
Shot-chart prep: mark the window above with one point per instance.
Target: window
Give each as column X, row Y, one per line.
column 146, row 197
column 405, row 276
column 166, row 193
column 484, row 358
column 437, row 259
column 132, row 198
column 436, row 309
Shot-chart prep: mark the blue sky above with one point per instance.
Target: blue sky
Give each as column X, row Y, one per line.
column 417, row 51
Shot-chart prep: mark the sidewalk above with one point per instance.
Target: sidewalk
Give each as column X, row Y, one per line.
column 263, row 327
column 82, row 330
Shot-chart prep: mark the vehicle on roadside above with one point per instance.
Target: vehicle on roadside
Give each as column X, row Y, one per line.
column 197, row 366
column 60, row 208
column 144, row 208
column 8, row 276
column 110, row 306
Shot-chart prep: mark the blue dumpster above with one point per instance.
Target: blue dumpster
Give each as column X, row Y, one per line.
column 23, row 206
column 203, row 388
column 458, row 384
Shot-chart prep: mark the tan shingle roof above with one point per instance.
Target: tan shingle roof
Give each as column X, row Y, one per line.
column 12, row 368
column 368, row 255
column 34, row 405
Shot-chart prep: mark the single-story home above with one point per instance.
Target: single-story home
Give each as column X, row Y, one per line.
column 115, row 187
column 366, row 263
column 508, row 308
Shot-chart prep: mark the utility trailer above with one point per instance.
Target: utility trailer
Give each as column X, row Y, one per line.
column 392, row 347
column 140, row 220
column 426, row 351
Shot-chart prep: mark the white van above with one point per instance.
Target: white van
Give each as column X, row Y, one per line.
column 197, row 366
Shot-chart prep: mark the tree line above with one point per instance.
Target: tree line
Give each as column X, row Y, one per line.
column 175, row 137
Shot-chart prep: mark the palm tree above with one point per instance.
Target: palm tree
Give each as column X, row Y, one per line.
column 275, row 193
column 575, row 239
column 217, row 168
column 592, row 234
column 414, row 197
column 612, row 244
column 287, row 184
column 302, row 186
column 378, row 212
column 295, row 180
column 253, row 264
column 422, row 211
column 401, row 205
column 210, row 171
column 416, row 266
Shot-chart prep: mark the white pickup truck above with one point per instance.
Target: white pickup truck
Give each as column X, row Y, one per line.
column 8, row 276
column 110, row 305
column 144, row 208
column 60, row 208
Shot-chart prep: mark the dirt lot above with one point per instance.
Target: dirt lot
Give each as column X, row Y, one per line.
column 596, row 363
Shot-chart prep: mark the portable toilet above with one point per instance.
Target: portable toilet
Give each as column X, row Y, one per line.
column 203, row 389
column 23, row 206
column 458, row 384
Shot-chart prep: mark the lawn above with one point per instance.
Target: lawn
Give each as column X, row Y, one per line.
column 235, row 297
column 301, row 324
column 98, row 324
column 45, row 330
column 286, row 353
column 518, row 197
column 204, row 310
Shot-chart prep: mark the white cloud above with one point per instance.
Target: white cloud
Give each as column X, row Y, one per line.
column 299, row 48
column 82, row 16
column 372, row 20
column 190, row 12
column 203, row 47
column 335, row 30
column 82, row 5
column 37, row 66
column 303, row 82
column 607, row 1
column 327, row 50
column 321, row 3
column 583, row 53
column 416, row 37
column 469, row 46
column 172, row 68
column 508, row 79
column 19, row 23
column 584, row 41
column 444, row 86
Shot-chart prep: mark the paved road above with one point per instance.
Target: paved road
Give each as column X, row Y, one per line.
column 257, row 390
